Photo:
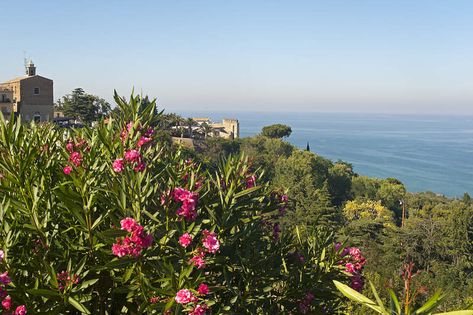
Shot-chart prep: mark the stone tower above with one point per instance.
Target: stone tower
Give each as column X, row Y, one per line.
column 30, row 68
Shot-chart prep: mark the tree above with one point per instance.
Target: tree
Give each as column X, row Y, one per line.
column 189, row 123
column 276, row 131
column 83, row 106
column 206, row 129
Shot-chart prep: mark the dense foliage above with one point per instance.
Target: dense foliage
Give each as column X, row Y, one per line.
column 113, row 220
column 83, row 106
column 392, row 226
column 276, row 131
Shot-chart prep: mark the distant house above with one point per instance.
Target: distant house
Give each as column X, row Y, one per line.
column 30, row 96
column 227, row 129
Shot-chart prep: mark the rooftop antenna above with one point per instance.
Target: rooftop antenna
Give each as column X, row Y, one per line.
column 25, row 61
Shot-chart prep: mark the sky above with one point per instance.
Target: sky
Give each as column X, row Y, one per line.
column 305, row 56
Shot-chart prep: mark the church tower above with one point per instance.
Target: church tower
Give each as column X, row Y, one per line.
column 30, row 69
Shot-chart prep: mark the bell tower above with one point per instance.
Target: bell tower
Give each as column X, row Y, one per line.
column 30, row 68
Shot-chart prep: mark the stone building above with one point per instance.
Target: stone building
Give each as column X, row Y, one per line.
column 227, row 129
column 6, row 102
column 31, row 96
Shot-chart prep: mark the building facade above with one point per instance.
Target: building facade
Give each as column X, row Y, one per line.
column 6, row 102
column 31, row 96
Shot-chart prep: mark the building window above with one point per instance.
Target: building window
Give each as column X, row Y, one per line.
column 36, row 91
column 37, row 118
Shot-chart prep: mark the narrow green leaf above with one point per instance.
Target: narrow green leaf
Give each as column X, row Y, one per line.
column 43, row 292
column 431, row 303
column 79, row 306
column 358, row 297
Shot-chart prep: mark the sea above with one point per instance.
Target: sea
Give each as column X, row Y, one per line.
column 426, row 152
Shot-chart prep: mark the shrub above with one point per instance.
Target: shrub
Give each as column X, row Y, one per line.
column 111, row 220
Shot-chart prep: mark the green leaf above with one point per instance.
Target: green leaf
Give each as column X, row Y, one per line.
column 394, row 301
column 79, row 306
column 378, row 300
column 431, row 303
column 43, row 292
column 358, row 297
column 88, row 283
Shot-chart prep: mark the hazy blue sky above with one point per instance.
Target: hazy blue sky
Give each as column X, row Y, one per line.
column 330, row 56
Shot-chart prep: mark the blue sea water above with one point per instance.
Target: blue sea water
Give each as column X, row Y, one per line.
column 427, row 153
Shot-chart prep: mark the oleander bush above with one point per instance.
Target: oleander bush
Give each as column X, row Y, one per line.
column 112, row 220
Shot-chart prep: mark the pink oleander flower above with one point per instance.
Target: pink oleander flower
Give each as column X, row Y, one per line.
column 2, row 255
column 251, row 181
column 76, row 158
column 203, row 289
column 198, row 260
column 140, row 167
column 132, row 245
column 149, row 133
column 20, row 310
column 350, row 267
column 185, row 240
column 143, row 141
column 189, row 203
column 355, row 253
column 67, row 169
column 284, row 198
column 132, row 156
column 6, row 303
column 70, row 147
column 185, row 296
column 210, row 241
column 4, row 278
column 154, row 299
column 200, row 309
column 128, row 224
column 119, row 250
column 118, row 165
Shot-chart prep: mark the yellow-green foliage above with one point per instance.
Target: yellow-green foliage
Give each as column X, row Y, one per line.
column 371, row 210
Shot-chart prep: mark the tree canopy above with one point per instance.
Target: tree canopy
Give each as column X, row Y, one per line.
column 276, row 131
column 83, row 106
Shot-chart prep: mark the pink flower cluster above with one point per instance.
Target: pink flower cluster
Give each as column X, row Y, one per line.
column 7, row 302
column 185, row 240
column 354, row 262
column 75, row 154
column 66, row 281
column 133, row 244
column 189, row 200
column 210, row 241
column 185, row 296
column 304, row 305
column 132, row 157
column 145, row 137
column 198, row 259
column 251, row 181
column 210, row 244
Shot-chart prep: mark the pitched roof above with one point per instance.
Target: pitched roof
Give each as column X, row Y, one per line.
column 24, row 78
